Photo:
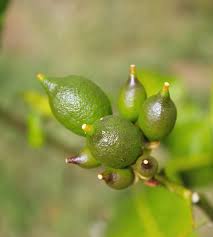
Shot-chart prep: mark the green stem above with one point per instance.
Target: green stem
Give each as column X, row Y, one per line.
column 175, row 188
column 197, row 199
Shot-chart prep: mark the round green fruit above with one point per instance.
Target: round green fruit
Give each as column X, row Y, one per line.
column 147, row 167
column 114, row 141
column 75, row 100
column 117, row 178
column 158, row 115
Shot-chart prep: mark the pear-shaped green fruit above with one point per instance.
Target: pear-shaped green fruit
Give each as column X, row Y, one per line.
column 117, row 178
column 74, row 100
column 85, row 159
column 114, row 141
column 131, row 97
column 146, row 166
column 158, row 115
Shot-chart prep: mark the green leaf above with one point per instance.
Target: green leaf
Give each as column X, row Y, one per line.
column 35, row 130
column 38, row 103
column 151, row 212
column 211, row 110
column 190, row 146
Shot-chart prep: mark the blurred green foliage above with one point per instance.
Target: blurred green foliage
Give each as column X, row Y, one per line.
column 151, row 212
column 39, row 195
column 3, row 7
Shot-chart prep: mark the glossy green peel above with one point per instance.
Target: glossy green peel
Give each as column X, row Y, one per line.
column 75, row 100
column 117, row 178
column 158, row 115
column 131, row 97
column 115, row 142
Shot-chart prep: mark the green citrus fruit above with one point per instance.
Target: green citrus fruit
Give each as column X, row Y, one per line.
column 131, row 97
column 147, row 167
column 114, row 141
column 75, row 100
column 158, row 115
column 117, row 178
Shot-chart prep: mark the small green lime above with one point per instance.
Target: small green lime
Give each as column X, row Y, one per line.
column 75, row 100
column 146, row 166
column 117, row 178
column 114, row 141
column 131, row 97
column 158, row 115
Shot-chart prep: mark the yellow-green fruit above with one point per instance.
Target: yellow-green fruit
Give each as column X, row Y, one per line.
column 114, row 141
column 85, row 159
column 117, row 178
column 158, row 115
column 131, row 97
column 75, row 100
column 146, row 167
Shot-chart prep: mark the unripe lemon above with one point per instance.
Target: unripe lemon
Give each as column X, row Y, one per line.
column 158, row 115
column 114, row 141
column 131, row 97
column 75, row 100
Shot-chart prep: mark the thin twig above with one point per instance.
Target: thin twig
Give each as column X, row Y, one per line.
column 194, row 198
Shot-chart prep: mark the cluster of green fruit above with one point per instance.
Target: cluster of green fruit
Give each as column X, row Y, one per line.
column 121, row 143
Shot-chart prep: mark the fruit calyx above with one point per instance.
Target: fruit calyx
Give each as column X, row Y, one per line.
column 88, row 129
column 165, row 90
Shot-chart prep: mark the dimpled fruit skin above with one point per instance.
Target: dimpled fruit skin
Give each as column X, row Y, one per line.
column 76, row 100
column 116, row 142
column 157, row 117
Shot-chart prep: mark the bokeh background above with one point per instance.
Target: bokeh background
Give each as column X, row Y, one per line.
column 168, row 41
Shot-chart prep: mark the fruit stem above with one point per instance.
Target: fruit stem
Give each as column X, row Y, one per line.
column 40, row 76
column 165, row 89
column 152, row 145
column 132, row 75
column 88, row 129
column 132, row 69
column 194, row 198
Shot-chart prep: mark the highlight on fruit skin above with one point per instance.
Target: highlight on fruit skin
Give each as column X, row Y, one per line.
column 131, row 97
column 84, row 159
column 117, row 178
column 158, row 115
column 146, row 167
